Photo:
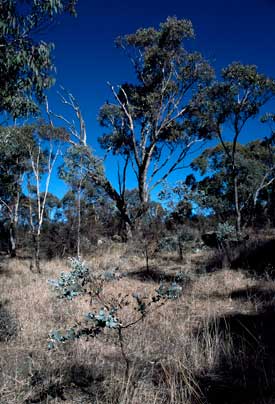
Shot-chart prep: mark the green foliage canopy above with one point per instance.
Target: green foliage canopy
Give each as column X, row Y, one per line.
column 147, row 124
column 256, row 172
column 25, row 61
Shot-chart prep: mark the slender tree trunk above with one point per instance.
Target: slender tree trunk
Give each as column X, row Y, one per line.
column 12, row 239
column 237, row 206
column 146, row 256
column 14, row 222
column 180, row 250
column 37, row 253
column 35, row 261
column 78, row 219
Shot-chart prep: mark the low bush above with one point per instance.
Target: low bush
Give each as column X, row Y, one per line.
column 109, row 315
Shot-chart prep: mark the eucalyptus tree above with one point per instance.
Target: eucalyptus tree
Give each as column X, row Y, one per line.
column 75, row 172
column 14, row 165
column 26, row 67
column 43, row 156
column 214, row 192
column 98, row 216
column 146, row 124
column 76, row 128
column 229, row 104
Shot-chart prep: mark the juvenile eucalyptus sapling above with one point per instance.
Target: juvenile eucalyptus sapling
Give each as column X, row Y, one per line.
column 109, row 312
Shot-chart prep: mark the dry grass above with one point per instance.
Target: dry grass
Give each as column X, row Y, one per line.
column 176, row 353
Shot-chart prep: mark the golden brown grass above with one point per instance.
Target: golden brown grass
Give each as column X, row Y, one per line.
column 169, row 356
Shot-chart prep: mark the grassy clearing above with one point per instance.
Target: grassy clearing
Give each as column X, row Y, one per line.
column 213, row 345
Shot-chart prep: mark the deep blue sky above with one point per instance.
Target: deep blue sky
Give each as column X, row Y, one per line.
column 86, row 58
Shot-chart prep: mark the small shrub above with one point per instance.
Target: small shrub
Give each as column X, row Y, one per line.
column 108, row 317
column 71, row 284
column 226, row 232
column 168, row 244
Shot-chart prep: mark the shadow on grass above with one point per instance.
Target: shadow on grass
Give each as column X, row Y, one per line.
column 47, row 392
column 8, row 324
column 155, row 274
column 77, row 379
column 245, row 373
column 257, row 257
column 263, row 297
column 4, row 271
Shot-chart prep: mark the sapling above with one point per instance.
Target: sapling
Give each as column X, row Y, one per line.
column 80, row 281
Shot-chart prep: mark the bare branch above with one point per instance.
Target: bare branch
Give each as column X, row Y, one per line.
column 130, row 119
column 79, row 132
column 6, row 205
column 174, row 166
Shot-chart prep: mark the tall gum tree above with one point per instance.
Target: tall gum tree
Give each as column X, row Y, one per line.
column 146, row 123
